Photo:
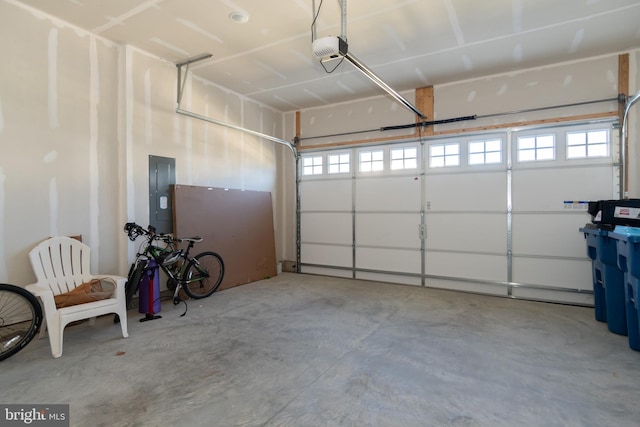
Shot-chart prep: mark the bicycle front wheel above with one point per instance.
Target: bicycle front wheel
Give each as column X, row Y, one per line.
column 20, row 319
column 203, row 275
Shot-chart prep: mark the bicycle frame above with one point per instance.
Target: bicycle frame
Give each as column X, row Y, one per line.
column 171, row 260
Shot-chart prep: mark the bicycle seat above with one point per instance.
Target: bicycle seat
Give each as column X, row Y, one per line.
column 196, row 239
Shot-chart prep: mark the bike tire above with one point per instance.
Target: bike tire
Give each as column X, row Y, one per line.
column 20, row 319
column 133, row 281
column 212, row 263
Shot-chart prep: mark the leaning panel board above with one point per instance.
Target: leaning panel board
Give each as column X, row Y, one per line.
column 237, row 224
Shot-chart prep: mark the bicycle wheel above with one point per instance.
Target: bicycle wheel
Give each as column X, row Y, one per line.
column 20, row 319
column 203, row 275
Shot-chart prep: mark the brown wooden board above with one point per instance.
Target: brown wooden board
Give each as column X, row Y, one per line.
column 236, row 224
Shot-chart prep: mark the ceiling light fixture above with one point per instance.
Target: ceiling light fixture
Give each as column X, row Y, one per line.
column 239, row 17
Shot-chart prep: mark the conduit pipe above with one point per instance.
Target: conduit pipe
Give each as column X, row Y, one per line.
column 623, row 145
column 241, row 129
column 181, row 82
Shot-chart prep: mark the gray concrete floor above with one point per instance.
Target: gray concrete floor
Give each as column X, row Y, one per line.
column 302, row 350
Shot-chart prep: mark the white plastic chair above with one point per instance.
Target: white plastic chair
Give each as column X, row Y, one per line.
column 60, row 265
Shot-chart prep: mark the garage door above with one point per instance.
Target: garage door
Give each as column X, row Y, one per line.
column 494, row 213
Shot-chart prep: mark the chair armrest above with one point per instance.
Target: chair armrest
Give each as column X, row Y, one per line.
column 46, row 296
column 38, row 290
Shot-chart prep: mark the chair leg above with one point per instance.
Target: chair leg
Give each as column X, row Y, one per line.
column 122, row 315
column 55, row 338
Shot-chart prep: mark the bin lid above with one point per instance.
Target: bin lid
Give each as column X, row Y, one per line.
column 623, row 232
column 595, row 229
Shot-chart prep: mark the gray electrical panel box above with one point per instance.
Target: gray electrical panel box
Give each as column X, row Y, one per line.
column 162, row 174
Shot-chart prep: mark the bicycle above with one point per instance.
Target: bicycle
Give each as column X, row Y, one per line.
column 20, row 319
column 198, row 276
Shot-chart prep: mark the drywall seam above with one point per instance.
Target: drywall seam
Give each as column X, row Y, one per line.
column 53, row 207
column 123, row 244
column 228, row 91
column 207, row 161
column 242, row 147
column 1, row 117
column 541, row 67
column 148, row 128
column 189, row 130
column 130, row 190
column 39, row 14
column 119, row 20
column 128, row 96
column 94, row 166
column 3, row 258
column 52, row 97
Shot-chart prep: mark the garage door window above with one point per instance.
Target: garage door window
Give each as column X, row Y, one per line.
column 588, row 144
column 444, row 155
column 485, row 152
column 371, row 161
column 339, row 163
column 312, row 165
column 404, row 158
column 536, row 148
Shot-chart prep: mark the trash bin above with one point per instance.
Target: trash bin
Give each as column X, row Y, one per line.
column 608, row 279
column 149, row 297
column 594, row 239
column 628, row 244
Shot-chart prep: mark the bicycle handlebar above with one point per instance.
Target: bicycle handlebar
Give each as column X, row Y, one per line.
column 134, row 231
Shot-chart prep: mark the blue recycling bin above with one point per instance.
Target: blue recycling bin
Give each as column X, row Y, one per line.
column 149, row 295
column 608, row 279
column 628, row 244
column 594, row 239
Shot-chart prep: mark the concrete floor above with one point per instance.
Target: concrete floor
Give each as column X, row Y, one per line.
column 302, row 350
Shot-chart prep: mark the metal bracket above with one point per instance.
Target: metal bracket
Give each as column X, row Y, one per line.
column 422, row 231
column 182, row 80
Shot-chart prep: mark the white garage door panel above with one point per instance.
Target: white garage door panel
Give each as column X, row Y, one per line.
column 339, row 256
column 388, row 194
column 546, row 189
column 326, row 271
column 549, row 234
column 329, row 195
column 458, row 285
column 574, row 274
column 406, row 261
column 467, row 192
column 467, row 232
column 555, row 296
column 467, row 266
column 394, row 230
column 326, row 227
column 391, row 278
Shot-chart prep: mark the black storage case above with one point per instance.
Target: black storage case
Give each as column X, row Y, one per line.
column 615, row 212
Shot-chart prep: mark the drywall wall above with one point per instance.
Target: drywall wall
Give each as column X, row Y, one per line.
column 58, row 139
column 560, row 84
column 206, row 154
column 79, row 117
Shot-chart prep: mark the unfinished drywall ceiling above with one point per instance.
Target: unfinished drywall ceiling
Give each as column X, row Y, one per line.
column 408, row 43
